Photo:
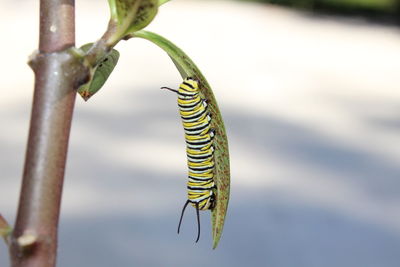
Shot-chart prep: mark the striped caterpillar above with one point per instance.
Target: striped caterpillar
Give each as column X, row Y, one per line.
column 199, row 137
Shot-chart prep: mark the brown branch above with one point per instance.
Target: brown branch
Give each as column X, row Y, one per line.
column 57, row 73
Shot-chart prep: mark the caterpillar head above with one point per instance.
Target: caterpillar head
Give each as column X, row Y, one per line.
column 194, row 83
column 189, row 87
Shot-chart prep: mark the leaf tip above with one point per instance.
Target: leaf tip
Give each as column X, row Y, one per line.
column 85, row 94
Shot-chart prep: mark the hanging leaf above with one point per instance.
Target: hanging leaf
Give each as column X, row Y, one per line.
column 187, row 68
column 98, row 74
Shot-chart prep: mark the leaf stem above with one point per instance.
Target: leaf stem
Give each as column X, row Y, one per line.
column 184, row 64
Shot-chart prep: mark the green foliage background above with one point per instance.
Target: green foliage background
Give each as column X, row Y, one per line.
column 385, row 8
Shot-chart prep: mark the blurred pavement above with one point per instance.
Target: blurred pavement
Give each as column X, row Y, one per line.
column 312, row 110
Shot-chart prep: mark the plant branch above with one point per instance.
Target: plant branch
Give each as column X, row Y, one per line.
column 58, row 72
column 100, row 48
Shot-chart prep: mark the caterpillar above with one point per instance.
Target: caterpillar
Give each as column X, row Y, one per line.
column 199, row 135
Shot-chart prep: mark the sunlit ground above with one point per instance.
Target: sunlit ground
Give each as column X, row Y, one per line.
column 312, row 110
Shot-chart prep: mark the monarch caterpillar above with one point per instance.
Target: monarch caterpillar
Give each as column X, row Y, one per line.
column 196, row 120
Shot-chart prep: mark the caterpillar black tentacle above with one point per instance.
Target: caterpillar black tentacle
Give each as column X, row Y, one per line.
column 199, row 136
column 183, row 211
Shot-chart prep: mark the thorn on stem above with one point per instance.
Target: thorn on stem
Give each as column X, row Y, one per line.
column 26, row 241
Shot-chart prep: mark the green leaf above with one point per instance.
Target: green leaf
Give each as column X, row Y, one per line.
column 187, row 68
column 126, row 10
column 130, row 16
column 5, row 229
column 145, row 14
column 161, row 2
column 98, row 74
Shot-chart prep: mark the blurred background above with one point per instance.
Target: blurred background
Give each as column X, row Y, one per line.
column 309, row 91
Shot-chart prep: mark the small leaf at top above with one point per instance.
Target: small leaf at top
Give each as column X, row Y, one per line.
column 187, row 68
column 145, row 14
column 126, row 10
column 130, row 16
column 98, row 74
